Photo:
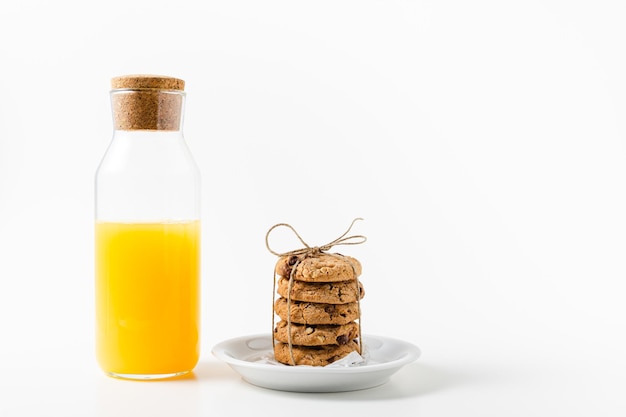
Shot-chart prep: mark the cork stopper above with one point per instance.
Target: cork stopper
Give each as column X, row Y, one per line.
column 140, row 81
column 147, row 102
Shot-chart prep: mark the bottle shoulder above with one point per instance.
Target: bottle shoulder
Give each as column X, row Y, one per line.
column 149, row 152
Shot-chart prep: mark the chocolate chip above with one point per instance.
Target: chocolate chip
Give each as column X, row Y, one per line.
column 292, row 261
column 342, row 339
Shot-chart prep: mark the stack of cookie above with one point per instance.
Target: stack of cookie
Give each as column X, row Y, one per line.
column 318, row 307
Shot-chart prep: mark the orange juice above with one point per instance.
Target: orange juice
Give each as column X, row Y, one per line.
column 147, row 298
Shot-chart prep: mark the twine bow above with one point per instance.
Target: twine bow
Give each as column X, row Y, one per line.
column 341, row 240
column 312, row 251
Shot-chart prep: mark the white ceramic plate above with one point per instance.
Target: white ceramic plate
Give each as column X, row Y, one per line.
column 245, row 355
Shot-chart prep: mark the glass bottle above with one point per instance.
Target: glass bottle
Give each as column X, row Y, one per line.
column 147, row 235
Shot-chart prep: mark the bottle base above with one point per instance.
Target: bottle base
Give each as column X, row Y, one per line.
column 146, row 377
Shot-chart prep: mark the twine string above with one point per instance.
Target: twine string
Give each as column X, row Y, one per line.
column 341, row 240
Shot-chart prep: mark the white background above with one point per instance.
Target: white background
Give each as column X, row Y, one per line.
column 482, row 142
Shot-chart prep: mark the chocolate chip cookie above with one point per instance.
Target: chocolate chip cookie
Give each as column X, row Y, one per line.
column 313, row 355
column 323, row 267
column 316, row 334
column 341, row 292
column 316, row 313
